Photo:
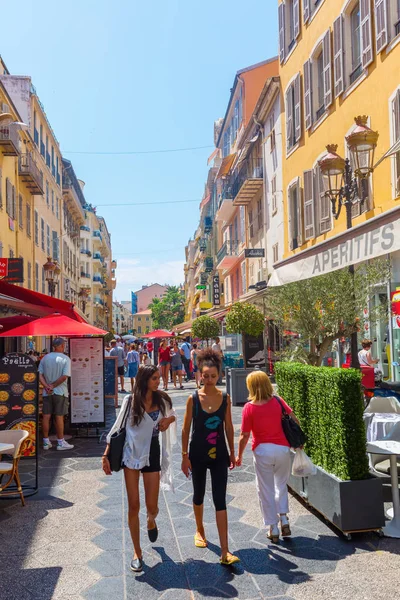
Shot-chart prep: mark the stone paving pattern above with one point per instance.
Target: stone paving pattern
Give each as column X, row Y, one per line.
column 71, row 541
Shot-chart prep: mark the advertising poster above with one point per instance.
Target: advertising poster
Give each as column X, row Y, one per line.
column 19, row 397
column 253, row 351
column 87, row 382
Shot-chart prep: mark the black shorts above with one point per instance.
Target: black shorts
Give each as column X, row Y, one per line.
column 121, row 370
column 155, row 457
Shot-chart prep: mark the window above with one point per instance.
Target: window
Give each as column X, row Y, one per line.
column 237, row 283
column 293, row 113
column 244, row 279
column 47, row 194
column 11, row 253
column 275, row 253
column 251, row 224
column 309, row 8
column 42, row 234
column 323, row 211
column 355, row 31
column 274, row 206
column 295, row 220
column 226, row 144
column 10, row 199
column 260, row 216
column 55, row 245
column 289, row 26
column 20, row 212
column 29, row 275
column 28, row 220
column 36, row 225
column 48, row 240
column 52, row 201
column 242, row 215
column 272, row 132
column 147, row 318
column 36, row 277
column 58, row 208
column 387, row 22
column 395, row 119
column 318, row 93
column 43, row 281
column 139, row 329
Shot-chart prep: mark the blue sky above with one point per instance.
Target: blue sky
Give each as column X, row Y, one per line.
column 132, row 76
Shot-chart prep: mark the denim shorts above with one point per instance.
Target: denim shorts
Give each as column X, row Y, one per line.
column 177, row 367
column 133, row 369
column 164, row 363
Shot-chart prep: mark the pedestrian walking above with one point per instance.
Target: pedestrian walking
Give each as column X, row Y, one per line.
column 133, row 361
column 176, row 365
column 164, row 361
column 149, row 412
column 186, row 347
column 54, row 370
column 208, row 413
column 217, row 348
column 150, row 348
column 146, row 361
column 262, row 418
column 118, row 351
column 193, row 355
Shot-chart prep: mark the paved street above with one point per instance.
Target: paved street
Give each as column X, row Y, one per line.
column 71, row 541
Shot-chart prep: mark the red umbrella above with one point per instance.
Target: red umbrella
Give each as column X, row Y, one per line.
column 54, row 325
column 158, row 334
column 8, row 323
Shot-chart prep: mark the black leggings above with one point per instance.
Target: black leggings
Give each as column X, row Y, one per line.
column 219, row 480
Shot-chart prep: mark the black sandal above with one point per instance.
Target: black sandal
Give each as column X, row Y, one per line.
column 153, row 534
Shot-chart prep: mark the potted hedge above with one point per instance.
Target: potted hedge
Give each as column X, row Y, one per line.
column 328, row 402
column 205, row 328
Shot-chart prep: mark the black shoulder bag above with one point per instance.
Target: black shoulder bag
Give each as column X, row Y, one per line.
column 117, row 441
column 292, row 430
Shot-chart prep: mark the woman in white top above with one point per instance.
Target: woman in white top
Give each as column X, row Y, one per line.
column 365, row 357
column 149, row 412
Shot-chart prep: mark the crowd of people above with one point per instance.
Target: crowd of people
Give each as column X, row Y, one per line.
column 207, row 445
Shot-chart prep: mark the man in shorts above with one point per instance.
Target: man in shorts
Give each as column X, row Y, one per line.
column 118, row 351
column 54, row 370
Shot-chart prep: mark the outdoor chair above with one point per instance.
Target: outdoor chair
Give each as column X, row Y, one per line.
column 10, row 469
column 383, row 404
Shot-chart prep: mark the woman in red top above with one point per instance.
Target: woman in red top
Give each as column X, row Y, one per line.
column 262, row 417
column 164, row 361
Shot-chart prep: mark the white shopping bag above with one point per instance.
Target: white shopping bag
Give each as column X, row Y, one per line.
column 303, row 465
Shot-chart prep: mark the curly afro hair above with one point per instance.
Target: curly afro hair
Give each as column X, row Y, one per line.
column 208, row 358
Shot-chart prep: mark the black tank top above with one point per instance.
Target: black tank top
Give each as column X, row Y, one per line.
column 208, row 434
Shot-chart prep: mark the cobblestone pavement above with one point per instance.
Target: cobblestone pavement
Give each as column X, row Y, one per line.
column 71, row 542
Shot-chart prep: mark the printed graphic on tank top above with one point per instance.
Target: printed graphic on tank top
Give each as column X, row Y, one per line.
column 208, row 437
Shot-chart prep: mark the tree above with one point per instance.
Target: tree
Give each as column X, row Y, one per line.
column 325, row 308
column 205, row 328
column 245, row 319
column 168, row 311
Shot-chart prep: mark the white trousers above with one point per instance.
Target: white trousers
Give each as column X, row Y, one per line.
column 272, row 466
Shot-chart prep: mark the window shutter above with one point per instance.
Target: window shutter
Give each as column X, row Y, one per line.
column 306, row 11
column 8, row 197
column 289, row 210
column 299, row 215
column 297, row 108
column 14, row 203
column 296, row 18
column 308, row 197
column 326, row 56
column 381, row 24
column 289, row 118
column 396, row 116
column 307, row 95
column 338, row 66
column 367, row 54
column 281, row 16
column 1, row 188
column 323, row 203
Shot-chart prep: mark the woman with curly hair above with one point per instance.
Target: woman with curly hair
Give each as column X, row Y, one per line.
column 208, row 412
column 147, row 412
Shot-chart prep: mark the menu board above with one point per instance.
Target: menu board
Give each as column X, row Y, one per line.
column 87, row 382
column 19, row 397
column 111, row 377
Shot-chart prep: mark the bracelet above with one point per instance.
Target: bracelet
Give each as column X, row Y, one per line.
column 104, row 456
column 184, row 453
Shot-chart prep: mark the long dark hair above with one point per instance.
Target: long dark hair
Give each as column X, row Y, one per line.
column 208, row 358
column 160, row 399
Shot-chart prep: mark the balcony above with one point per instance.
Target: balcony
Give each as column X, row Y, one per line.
column 86, row 251
column 248, row 182
column 208, row 264
column 97, row 256
column 226, row 208
column 84, row 228
column 98, row 280
column 97, row 236
column 208, row 224
column 228, row 254
column 85, row 275
column 9, row 140
column 30, row 174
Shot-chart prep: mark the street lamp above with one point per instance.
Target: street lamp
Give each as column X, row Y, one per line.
column 84, row 296
column 52, row 272
column 117, row 322
column 342, row 184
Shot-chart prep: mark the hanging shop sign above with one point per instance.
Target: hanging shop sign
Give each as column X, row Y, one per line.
column 254, row 253
column 12, row 270
column 216, row 291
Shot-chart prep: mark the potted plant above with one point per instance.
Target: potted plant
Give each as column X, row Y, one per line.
column 205, row 328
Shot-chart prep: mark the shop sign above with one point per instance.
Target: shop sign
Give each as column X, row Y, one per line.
column 12, row 270
column 216, row 291
column 254, row 253
column 253, row 350
column 201, row 287
column 67, row 289
column 395, row 299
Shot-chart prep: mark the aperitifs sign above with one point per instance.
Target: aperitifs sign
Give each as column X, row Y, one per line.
column 12, row 270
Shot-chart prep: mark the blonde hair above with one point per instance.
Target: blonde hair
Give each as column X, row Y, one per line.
column 259, row 386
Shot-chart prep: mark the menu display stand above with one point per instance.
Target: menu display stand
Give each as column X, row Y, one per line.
column 19, row 406
column 111, row 377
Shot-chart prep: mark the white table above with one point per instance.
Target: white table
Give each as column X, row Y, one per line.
column 379, row 425
column 4, row 448
column 392, row 449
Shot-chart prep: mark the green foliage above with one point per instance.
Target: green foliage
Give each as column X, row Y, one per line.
column 168, row 311
column 328, row 403
column 108, row 337
column 245, row 318
column 323, row 309
column 205, row 328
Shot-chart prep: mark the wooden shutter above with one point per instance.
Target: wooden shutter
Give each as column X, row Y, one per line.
column 367, row 55
column 8, row 197
column 396, row 117
column 327, row 60
column 296, row 18
column 290, row 220
column 297, row 109
column 281, row 18
column 338, row 65
column 13, row 203
column 306, row 11
column 381, row 24
column 299, row 215
column 307, row 95
column 289, row 118
column 308, row 198
column 323, row 204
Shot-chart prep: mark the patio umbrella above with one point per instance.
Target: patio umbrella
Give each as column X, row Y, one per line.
column 158, row 334
column 54, row 325
column 128, row 336
column 7, row 323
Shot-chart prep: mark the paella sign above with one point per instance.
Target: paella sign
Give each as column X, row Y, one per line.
column 19, row 397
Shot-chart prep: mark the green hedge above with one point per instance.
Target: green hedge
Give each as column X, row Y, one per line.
column 329, row 405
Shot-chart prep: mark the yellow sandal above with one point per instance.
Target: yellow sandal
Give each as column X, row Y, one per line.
column 200, row 542
column 230, row 559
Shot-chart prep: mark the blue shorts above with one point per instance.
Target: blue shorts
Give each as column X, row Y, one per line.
column 164, row 363
column 133, row 369
column 177, row 367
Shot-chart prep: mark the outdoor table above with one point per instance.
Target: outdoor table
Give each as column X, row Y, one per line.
column 392, row 449
column 379, row 425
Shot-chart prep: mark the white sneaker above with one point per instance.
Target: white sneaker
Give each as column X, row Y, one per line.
column 64, row 446
column 47, row 445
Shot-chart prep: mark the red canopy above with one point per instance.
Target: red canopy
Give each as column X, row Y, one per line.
column 54, row 325
column 157, row 334
column 8, row 323
column 35, row 303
